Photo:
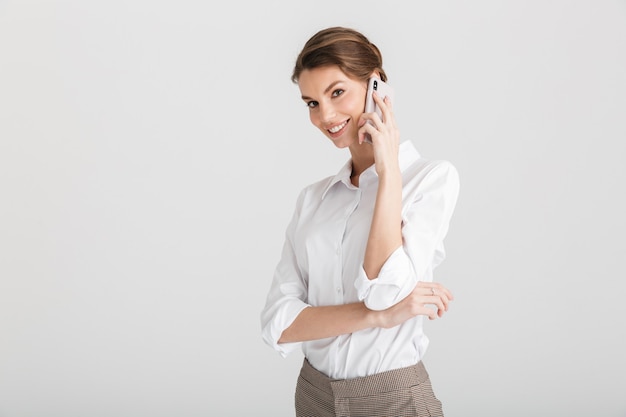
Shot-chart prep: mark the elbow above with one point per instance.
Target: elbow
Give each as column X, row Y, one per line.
column 383, row 296
column 394, row 282
column 285, row 337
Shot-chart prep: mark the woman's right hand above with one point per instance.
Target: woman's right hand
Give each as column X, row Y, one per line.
column 427, row 298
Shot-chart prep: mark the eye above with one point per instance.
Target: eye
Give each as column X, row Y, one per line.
column 337, row 92
column 312, row 104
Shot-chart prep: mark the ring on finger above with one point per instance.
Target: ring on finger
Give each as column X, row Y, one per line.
column 432, row 289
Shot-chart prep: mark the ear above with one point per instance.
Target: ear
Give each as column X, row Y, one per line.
column 376, row 74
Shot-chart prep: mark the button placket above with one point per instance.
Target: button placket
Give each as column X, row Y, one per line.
column 350, row 209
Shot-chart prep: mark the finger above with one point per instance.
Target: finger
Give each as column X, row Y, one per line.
column 433, row 288
column 444, row 303
column 438, row 302
column 442, row 293
column 386, row 108
column 382, row 102
column 370, row 118
column 444, row 299
column 373, row 119
column 366, row 128
column 441, row 290
column 446, row 292
column 431, row 313
column 429, row 296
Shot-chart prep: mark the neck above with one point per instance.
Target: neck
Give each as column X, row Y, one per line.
column 362, row 158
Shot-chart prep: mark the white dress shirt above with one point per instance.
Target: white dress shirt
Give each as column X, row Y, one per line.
column 322, row 264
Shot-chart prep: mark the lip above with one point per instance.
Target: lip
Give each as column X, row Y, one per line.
column 340, row 131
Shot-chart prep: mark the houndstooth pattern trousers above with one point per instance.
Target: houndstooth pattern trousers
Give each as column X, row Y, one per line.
column 404, row 392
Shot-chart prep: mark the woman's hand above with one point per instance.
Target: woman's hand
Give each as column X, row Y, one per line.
column 427, row 298
column 384, row 134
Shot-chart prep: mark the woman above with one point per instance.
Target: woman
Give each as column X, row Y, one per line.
column 355, row 277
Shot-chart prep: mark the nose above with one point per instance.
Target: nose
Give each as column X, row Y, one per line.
column 327, row 111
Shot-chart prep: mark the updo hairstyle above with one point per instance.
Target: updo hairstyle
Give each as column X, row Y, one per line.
column 346, row 48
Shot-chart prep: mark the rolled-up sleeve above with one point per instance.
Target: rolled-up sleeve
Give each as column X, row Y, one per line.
column 425, row 222
column 287, row 295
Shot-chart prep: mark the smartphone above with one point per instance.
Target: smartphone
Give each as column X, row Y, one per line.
column 383, row 90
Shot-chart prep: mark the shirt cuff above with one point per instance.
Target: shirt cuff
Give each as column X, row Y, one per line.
column 275, row 328
column 386, row 290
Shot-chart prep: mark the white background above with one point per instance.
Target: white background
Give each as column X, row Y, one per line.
column 150, row 157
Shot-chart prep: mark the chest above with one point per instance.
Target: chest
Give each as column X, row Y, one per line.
column 330, row 240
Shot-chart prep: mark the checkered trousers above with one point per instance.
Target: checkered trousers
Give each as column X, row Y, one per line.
column 404, row 392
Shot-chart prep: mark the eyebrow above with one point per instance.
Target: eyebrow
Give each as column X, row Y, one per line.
column 330, row 87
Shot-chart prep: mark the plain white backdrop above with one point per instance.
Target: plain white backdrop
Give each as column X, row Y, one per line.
column 150, row 157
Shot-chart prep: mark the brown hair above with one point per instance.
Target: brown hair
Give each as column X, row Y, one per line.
column 350, row 50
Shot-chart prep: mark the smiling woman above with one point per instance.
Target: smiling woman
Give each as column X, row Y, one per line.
column 355, row 278
column 335, row 102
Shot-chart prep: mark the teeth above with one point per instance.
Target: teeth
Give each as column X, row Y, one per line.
column 337, row 128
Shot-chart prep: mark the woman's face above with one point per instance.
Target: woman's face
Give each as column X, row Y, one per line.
column 335, row 102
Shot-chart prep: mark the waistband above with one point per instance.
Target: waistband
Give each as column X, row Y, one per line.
column 367, row 385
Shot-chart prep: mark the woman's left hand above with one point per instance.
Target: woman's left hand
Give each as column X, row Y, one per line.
column 419, row 302
column 384, row 134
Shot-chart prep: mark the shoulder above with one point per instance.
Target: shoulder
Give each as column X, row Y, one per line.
column 416, row 167
column 423, row 169
column 430, row 183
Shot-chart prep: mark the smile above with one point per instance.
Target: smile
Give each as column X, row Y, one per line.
column 337, row 128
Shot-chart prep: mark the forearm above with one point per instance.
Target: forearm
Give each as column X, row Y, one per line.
column 315, row 323
column 386, row 229
column 328, row 321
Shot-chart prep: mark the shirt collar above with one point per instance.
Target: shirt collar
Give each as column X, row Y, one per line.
column 407, row 154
